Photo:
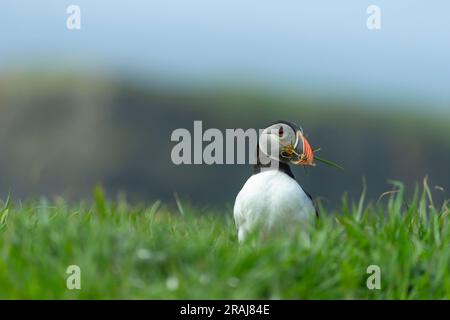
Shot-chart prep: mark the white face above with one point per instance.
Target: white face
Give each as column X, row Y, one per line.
column 274, row 138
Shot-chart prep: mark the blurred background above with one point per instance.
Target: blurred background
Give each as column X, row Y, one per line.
column 98, row 105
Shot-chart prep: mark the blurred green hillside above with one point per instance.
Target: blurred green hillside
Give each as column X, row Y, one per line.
column 61, row 134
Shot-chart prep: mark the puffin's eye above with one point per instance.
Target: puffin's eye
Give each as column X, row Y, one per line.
column 280, row 131
column 284, row 154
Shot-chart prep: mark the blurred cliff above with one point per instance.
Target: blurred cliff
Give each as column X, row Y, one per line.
column 62, row 133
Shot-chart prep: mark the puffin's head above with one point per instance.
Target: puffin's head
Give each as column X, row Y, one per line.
column 292, row 145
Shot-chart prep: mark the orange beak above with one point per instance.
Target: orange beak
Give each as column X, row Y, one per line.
column 307, row 153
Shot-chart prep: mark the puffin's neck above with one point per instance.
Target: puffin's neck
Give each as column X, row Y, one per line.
column 283, row 167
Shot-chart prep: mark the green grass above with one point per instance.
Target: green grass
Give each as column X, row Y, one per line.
column 154, row 252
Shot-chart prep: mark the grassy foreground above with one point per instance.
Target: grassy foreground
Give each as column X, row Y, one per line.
column 155, row 253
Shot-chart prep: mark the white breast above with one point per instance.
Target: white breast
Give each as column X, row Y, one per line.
column 271, row 198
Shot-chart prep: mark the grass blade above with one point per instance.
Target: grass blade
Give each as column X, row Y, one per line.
column 328, row 162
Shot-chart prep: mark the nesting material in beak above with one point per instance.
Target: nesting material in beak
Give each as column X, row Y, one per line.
column 303, row 151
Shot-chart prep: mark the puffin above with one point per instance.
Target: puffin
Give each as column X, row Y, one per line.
column 271, row 197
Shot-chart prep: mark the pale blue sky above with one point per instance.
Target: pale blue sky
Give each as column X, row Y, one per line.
column 318, row 44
